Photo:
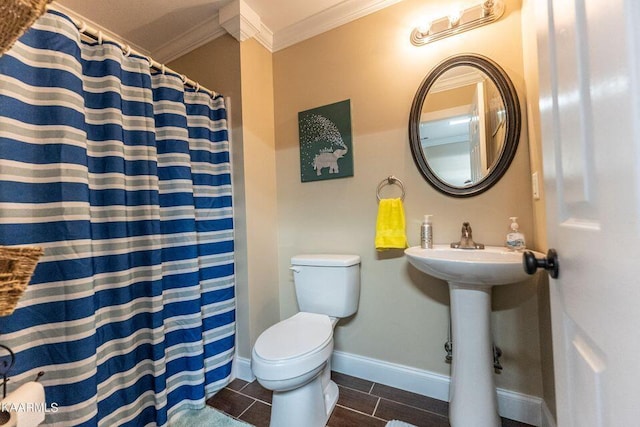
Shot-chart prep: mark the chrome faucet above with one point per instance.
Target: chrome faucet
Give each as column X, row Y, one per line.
column 466, row 239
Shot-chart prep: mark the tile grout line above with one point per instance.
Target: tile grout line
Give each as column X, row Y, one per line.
column 376, row 408
column 403, row 403
column 353, row 389
column 415, row 407
column 370, row 393
column 380, row 398
column 360, row 412
column 242, row 413
column 391, row 400
column 251, row 397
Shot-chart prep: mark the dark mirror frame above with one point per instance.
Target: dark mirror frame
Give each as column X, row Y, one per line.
column 513, row 124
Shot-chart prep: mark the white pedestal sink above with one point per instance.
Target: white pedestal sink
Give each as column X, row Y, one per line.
column 471, row 275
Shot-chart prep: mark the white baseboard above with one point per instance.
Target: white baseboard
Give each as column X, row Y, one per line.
column 516, row 406
column 548, row 420
column 391, row 374
column 242, row 369
column 520, row 407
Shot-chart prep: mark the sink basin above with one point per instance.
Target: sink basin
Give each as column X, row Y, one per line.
column 471, row 274
column 490, row 266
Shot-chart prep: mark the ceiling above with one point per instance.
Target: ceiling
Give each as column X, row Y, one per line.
column 167, row 29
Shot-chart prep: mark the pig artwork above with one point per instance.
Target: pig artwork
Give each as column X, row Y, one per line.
column 328, row 160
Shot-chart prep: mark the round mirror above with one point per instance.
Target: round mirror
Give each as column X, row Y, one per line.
column 464, row 125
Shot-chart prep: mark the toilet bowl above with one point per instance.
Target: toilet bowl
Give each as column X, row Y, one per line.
column 290, row 358
column 293, row 357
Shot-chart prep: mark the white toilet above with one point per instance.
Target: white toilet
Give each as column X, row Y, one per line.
column 292, row 357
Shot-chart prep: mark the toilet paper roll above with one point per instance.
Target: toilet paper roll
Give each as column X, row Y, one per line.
column 25, row 407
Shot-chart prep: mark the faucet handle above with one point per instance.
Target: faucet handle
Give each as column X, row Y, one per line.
column 466, row 229
column 466, row 239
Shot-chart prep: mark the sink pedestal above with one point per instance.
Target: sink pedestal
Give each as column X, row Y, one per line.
column 472, row 394
column 473, row 401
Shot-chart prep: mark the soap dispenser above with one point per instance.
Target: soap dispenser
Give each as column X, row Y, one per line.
column 426, row 233
column 515, row 239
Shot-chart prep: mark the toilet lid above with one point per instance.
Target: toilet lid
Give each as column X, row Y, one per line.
column 294, row 337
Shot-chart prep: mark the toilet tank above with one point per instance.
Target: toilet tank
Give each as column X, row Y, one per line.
column 327, row 284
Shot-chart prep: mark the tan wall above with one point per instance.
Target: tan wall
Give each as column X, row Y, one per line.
column 403, row 314
column 243, row 72
column 260, row 187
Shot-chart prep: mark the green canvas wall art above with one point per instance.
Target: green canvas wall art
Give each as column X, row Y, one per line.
column 326, row 150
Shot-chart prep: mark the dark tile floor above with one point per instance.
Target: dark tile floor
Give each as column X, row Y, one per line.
column 361, row 403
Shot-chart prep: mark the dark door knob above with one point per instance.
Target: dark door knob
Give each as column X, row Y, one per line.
column 550, row 263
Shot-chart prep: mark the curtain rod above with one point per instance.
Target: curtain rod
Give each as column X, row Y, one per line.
column 100, row 37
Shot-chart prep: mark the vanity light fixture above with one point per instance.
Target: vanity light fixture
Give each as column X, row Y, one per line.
column 466, row 19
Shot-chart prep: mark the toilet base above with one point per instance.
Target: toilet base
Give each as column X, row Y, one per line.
column 330, row 397
column 309, row 405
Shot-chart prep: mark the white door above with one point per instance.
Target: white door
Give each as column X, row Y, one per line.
column 589, row 56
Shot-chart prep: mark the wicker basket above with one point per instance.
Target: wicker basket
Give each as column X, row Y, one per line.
column 17, row 264
column 16, row 16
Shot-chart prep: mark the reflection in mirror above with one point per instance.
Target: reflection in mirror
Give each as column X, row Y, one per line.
column 464, row 125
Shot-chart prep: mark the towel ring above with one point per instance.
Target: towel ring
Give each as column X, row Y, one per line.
column 391, row 180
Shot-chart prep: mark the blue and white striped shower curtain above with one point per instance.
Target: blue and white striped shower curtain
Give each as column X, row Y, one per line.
column 124, row 178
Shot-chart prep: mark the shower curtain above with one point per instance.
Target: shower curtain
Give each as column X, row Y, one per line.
column 123, row 176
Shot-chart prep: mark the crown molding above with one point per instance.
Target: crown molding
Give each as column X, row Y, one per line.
column 326, row 20
column 239, row 20
column 242, row 23
column 190, row 40
column 265, row 37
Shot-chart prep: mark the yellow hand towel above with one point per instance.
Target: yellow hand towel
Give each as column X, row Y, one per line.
column 390, row 225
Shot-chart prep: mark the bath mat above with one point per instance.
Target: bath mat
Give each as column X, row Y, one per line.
column 396, row 423
column 205, row 417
